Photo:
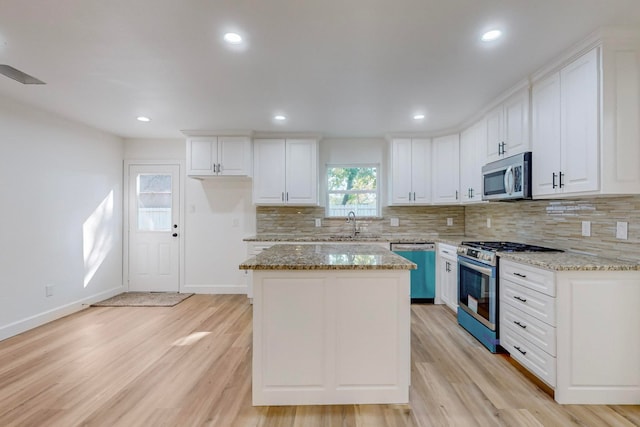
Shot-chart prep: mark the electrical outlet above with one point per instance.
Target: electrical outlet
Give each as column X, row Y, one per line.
column 48, row 290
column 318, row 222
column 586, row 228
column 488, row 222
column 395, row 222
column 622, row 230
column 449, row 222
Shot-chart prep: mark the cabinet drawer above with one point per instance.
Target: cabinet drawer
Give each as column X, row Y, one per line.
column 529, row 328
column 531, row 277
column 447, row 251
column 531, row 357
column 538, row 305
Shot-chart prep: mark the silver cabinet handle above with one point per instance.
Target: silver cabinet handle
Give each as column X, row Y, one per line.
column 524, row 276
column 287, row 196
column 409, row 195
column 282, row 196
column 520, row 298
column 520, row 324
column 521, row 351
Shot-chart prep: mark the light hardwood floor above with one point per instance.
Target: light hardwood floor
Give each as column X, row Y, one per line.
column 190, row 365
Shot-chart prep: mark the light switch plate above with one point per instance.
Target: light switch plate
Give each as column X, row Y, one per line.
column 318, row 222
column 488, row 222
column 622, row 230
column 586, row 228
column 449, row 222
column 395, row 222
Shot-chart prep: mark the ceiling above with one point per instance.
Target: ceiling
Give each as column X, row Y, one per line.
column 342, row 68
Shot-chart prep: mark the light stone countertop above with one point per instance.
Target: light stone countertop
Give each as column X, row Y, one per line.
column 327, row 257
column 569, row 261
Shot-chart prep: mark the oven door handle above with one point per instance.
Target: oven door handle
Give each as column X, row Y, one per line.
column 488, row 271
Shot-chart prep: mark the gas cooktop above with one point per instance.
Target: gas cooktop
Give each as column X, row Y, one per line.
column 508, row 247
column 485, row 252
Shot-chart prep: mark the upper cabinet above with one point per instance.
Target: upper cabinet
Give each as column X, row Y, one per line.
column 507, row 127
column 585, row 134
column 446, row 169
column 472, row 143
column 285, row 172
column 209, row 156
column 410, row 172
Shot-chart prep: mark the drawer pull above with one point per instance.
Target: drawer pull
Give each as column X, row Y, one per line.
column 521, row 351
column 524, row 276
column 519, row 298
column 520, row 324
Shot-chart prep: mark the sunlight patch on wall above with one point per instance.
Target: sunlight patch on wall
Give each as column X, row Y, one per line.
column 97, row 237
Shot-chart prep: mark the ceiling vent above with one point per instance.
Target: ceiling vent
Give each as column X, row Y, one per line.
column 19, row 76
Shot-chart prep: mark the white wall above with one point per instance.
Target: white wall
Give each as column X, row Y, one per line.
column 61, row 216
column 218, row 214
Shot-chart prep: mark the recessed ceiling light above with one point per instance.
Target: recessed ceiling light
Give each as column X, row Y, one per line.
column 143, row 119
column 280, row 117
column 233, row 38
column 418, row 116
column 492, row 35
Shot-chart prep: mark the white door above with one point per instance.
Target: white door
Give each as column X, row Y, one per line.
column 154, row 228
column 446, row 167
column 545, row 135
column 269, row 179
column 420, row 171
column 401, row 171
column 301, row 172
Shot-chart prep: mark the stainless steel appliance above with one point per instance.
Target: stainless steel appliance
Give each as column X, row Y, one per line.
column 507, row 179
column 478, row 287
column 423, row 279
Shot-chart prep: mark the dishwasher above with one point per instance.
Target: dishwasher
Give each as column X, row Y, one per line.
column 423, row 280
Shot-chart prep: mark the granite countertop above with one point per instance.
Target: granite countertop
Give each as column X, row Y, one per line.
column 569, row 261
column 343, row 238
column 327, row 257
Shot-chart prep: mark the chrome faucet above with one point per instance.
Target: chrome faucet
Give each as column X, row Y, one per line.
column 351, row 217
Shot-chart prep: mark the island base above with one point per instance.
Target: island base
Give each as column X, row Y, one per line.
column 327, row 337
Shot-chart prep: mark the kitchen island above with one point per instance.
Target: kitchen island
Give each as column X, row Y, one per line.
column 331, row 325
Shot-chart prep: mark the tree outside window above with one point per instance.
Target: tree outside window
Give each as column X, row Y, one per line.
column 352, row 188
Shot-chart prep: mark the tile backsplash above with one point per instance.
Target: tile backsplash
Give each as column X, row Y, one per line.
column 558, row 223
column 430, row 220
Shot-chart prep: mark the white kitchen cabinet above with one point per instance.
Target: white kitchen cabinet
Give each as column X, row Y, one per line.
column 507, row 131
column 209, row 156
column 575, row 330
column 446, row 169
column 472, row 145
column 410, row 171
column 285, row 172
column 447, row 276
column 584, row 123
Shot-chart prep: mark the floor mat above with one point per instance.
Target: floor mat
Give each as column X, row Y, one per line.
column 143, row 299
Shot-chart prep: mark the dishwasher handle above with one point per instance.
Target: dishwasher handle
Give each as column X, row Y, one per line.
column 413, row 247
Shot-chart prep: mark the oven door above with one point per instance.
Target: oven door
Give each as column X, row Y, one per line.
column 477, row 294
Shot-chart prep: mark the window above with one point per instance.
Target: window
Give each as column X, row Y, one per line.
column 154, row 202
column 352, row 188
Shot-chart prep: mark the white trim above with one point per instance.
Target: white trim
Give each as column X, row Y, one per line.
column 45, row 317
column 182, row 167
column 215, row 289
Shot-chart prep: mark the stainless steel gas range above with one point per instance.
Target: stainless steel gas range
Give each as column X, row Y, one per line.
column 478, row 287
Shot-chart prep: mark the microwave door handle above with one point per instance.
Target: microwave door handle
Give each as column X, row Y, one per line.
column 509, row 180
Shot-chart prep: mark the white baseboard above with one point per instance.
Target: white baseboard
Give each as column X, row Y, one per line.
column 40, row 319
column 214, row 289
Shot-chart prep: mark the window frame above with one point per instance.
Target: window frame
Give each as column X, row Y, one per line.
column 346, row 166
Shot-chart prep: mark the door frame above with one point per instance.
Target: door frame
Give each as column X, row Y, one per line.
column 125, row 215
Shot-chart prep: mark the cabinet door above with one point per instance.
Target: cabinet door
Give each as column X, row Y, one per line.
column 495, row 126
column 421, row 171
column 301, row 172
column 201, row 156
column 269, row 171
column 545, row 134
column 516, row 123
column 472, row 145
column 234, row 155
column 446, row 166
column 401, row 161
column 579, row 124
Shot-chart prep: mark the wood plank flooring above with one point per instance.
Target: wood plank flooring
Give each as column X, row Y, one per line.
column 190, row 365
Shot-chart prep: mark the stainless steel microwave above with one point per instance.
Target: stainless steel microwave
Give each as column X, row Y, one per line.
column 507, row 179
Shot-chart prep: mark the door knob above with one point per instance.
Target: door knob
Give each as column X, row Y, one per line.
column 175, row 225
column 175, row 234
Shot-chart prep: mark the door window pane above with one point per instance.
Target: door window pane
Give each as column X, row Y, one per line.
column 154, row 202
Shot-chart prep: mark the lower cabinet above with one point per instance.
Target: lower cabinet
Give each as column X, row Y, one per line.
column 578, row 331
column 447, row 276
